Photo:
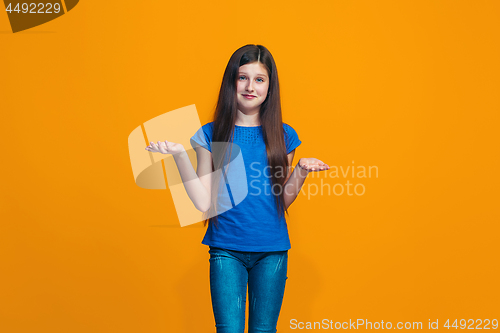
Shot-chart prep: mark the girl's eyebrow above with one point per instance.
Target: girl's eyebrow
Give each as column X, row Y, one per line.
column 257, row 74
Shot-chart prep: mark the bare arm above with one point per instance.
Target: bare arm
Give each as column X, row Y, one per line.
column 294, row 182
column 197, row 184
column 296, row 179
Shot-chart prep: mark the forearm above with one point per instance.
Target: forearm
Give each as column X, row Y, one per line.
column 294, row 184
column 194, row 187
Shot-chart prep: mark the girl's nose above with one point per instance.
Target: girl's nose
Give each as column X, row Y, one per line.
column 250, row 86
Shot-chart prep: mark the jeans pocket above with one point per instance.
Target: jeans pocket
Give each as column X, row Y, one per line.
column 213, row 249
column 219, row 253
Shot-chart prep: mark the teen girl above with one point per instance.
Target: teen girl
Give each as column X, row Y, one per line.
column 249, row 242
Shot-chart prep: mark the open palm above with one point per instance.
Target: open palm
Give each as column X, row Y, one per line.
column 165, row 147
column 313, row 164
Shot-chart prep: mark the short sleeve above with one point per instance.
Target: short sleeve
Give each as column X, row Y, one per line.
column 292, row 140
column 203, row 137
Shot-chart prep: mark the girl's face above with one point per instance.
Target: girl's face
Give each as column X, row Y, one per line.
column 252, row 86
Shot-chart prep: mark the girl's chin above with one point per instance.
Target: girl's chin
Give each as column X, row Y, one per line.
column 248, row 108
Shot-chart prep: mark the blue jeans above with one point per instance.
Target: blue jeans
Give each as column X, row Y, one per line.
column 230, row 272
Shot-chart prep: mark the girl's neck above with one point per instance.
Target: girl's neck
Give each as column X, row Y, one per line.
column 247, row 120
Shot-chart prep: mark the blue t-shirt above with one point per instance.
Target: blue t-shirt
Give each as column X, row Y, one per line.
column 253, row 224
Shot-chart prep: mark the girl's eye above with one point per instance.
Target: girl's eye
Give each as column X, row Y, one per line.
column 242, row 77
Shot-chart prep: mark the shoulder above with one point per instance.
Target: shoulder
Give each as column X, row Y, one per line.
column 203, row 136
column 292, row 140
column 289, row 130
column 208, row 128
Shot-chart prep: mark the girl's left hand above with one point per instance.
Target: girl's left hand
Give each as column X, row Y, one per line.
column 312, row 164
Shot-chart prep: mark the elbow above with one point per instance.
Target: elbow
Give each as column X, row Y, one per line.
column 203, row 202
column 203, row 208
column 286, row 204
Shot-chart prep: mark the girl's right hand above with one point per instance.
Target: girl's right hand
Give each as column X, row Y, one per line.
column 165, row 147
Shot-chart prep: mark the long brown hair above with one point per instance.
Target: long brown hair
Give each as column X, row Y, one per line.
column 270, row 118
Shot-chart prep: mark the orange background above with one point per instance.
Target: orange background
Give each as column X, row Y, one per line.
column 410, row 87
